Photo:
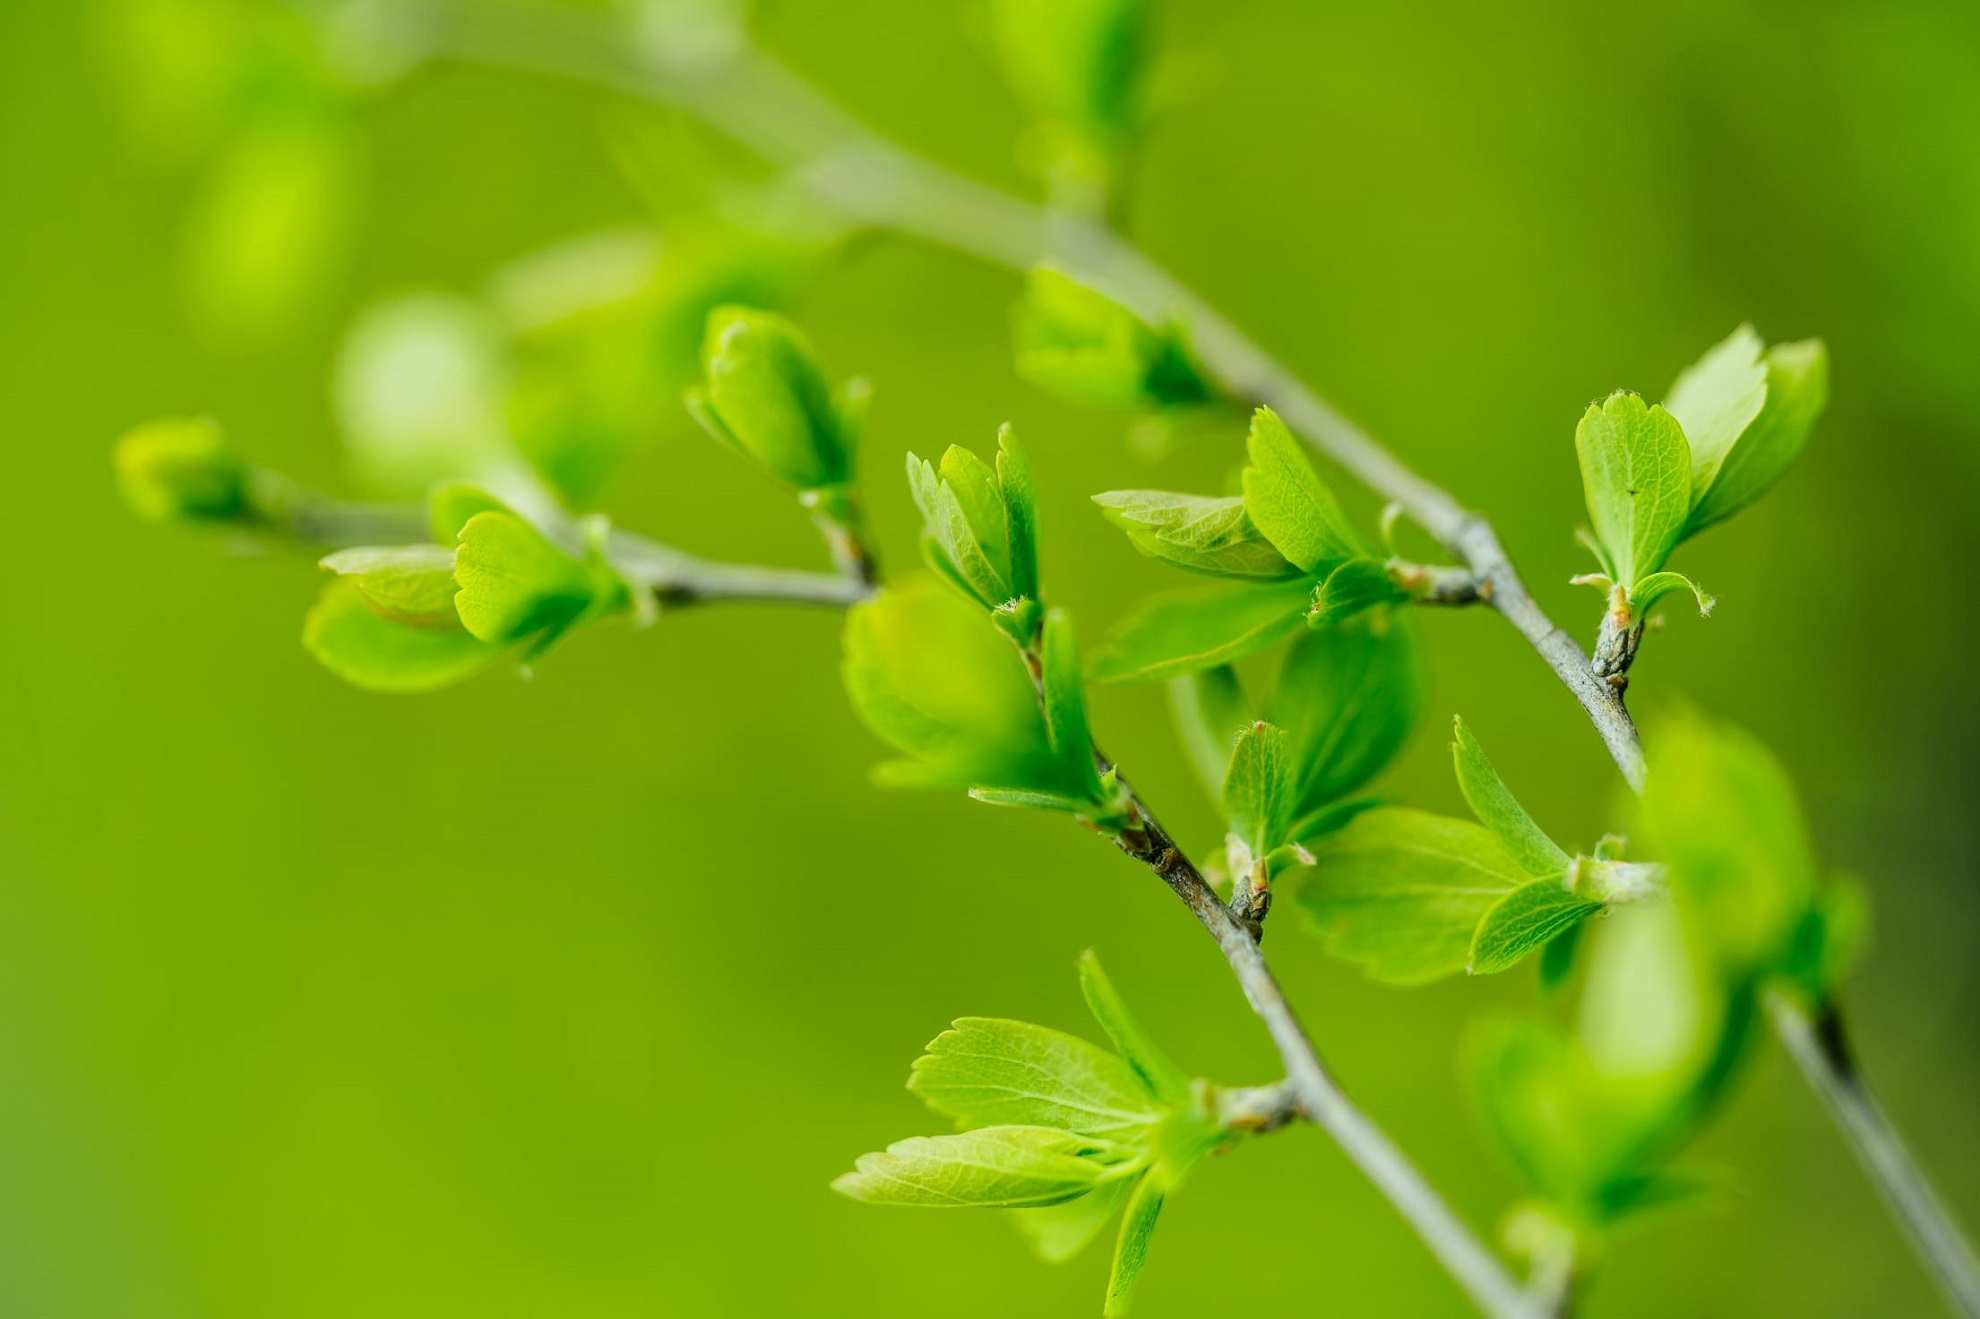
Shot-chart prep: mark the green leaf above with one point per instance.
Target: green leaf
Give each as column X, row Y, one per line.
column 1258, row 791
column 1797, row 392
column 349, row 638
column 1073, row 63
column 1162, row 1078
column 988, row 1072
column 1185, row 632
column 1523, row 921
column 1721, row 812
column 1348, row 696
column 449, row 508
column 765, row 396
column 1211, row 536
column 1716, row 399
column 1498, row 810
column 1065, row 706
column 1058, row 1232
column 1354, row 588
column 1657, row 585
column 931, row 677
column 1131, row 1248
column 1636, row 473
column 1080, row 345
column 1211, row 713
column 1289, row 503
column 181, row 469
column 1557, row 958
column 407, row 583
column 1020, row 513
column 991, row 1168
column 1546, row 1106
column 1400, row 892
column 516, row 584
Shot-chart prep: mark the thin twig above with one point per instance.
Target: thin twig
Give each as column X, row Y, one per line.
column 677, row 578
column 1820, row 1048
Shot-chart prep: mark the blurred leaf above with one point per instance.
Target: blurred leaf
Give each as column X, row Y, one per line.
column 1162, row 1078
column 1058, row 1232
column 1290, row 504
column 1131, row 1249
column 1211, row 713
column 173, row 469
column 1348, row 696
column 1258, row 791
column 1498, row 810
column 988, row 1072
column 1400, row 892
column 1081, row 346
column 1212, row 536
column 1522, row 922
column 451, row 507
column 1170, row 635
column 405, row 583
column 353, row 641
column 765, row 396
column 1545, row 1105
column 990, row 1168
column 1073, row 63
column 1636, row 473
column 1797, row 392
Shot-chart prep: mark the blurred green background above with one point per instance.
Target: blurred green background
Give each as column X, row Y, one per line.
column 569, row 997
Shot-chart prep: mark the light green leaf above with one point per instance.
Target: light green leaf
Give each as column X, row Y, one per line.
column 1162, row 1078
column 351, row 640
column 1636, row 473
column 1211, row 536
column 1400, row 892
column 1026, row 798
column 1523, row 921
column 1073, row 63
column 1797, row 392
column 514, row 583
column 988, row 1072
column 1353, row 588
column 1131, row 1249
column 1545, row 1105
column 1188, row 631
column 1348, row 696
column 765, row 395
column 1716, row 399
column 406, row 583
column 1211, row 713
column 176, row 468
column 1258, row 791
column 1065, row 706
column 450, row 507
column 991, row 1168
column 1656, row 586
column 1498, row 810
column 1082, row 346
column 1290, row 504
column 1059, row 1232
column 1020, row 513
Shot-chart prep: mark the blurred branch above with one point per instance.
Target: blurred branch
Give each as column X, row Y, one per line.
column 1820, row 1047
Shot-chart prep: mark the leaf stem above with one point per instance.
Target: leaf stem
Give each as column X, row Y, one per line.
column 1819, row 1045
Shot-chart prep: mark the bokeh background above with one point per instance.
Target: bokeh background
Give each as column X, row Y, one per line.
column 568, row 997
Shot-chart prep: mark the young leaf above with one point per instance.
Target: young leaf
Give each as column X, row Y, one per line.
column 1163, row 1079
column 1657, row 585
column 1020, row 513
column 352, row 640
column 451, row 507
column 1211, row 713
column 1526, row 919
column 1355, row 587
column 1288, row 502
column 406, row 583
column 1400, row 892
column 1082, row 346
column 1498, row 810
column 1073, row 63
column 1211, row 536
column 1188, row 631
column 181, row 470
column 1544, row 1103
column 979, row 530
column 987, row 1072
column 990, row 1168
column 1716, row 399
column 1258, row 791
column 1797, row 392
column 1636, row 473
column 1348, row 696
column 514, row 583
column 1065, row 707
column 765, row 396
column 1131, row 1249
